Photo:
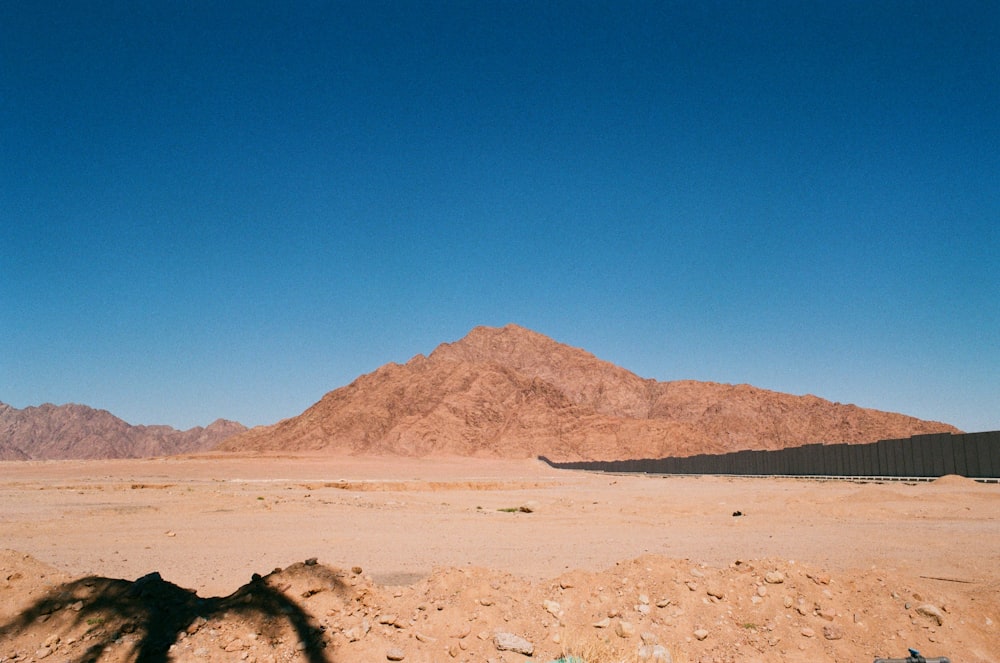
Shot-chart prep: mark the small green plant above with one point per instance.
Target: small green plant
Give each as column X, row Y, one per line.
column 750, row 626
column 95, row 621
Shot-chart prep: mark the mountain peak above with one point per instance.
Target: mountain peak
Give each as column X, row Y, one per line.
column 511, row 391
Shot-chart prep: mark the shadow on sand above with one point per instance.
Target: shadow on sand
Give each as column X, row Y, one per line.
column 155, row 613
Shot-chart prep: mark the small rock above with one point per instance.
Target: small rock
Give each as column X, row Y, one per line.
column 663, row 603
column 395, row 654
column 692, row 585
column 528, row 507
column 515, row 643
column 624, row 629
column 76, row 607
column 774, row 577
column 234, row 645
column 808, row 632
column 761, row 591
column 644, row 599
column 829, row 614
column 649, row 638
column 551, row 607
column 312, row 561
column 700, row 634
column 655, row 653
column 604, row 623
column 357, row 570
column 932, row 611
column 43, row 652
column 716, row 592
column 787, row 602
column 832, row 633
column 423, row 637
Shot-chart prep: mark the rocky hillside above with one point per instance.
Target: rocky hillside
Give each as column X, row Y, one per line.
column 50, row 432
column 511, row 392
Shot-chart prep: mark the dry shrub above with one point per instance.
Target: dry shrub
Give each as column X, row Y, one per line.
column 606, row 647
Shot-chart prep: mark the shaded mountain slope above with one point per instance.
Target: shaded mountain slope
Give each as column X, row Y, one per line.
column 512, row 392
column 51, row 432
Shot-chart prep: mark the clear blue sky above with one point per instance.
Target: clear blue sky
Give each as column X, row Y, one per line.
column 227, row 209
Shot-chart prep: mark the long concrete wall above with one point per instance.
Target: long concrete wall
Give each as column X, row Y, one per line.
column 973, row 455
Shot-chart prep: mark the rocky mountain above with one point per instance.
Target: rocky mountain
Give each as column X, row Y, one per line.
column 512, row 392
column 50, row 432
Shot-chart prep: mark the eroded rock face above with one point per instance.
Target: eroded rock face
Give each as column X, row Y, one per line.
column 511, row 392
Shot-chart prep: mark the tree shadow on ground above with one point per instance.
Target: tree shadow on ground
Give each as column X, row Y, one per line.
column 155, row 613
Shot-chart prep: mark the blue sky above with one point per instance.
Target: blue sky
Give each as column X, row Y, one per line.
column 221, row 209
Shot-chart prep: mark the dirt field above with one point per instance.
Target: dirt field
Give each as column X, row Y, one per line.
column 430, row 559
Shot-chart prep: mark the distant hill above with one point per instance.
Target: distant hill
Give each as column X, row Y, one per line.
column 51, row 432
column 511, row 392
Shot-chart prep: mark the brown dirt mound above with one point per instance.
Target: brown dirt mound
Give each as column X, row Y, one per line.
column 750, row 610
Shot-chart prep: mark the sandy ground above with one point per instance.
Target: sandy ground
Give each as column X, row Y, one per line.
column 858, row 560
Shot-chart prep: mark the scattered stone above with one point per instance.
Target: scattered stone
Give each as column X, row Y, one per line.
column 715, row 592
column 423, row 637
column 692, row 585
column 515, row 643
column 312, row 561
column 832, row 633
column 819, row 578
column 808, row 632
column 761, row 591
column 395, row 654
column 700, row 634
column 774, row 577
column 551, row 607
column 234, row 645
column 357, row 570
column 528, row 507
column 604, row 623
column 76, row 607
column 655, row 653
column 829, row 614
column 663, row 603
column 787, row 602
column 644, row 599
column 463, row 632
column 43, row 652
column 932, row 611
column 624, row 629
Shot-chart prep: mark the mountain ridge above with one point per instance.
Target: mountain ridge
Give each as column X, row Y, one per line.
column 513, row 392
column 74, row 431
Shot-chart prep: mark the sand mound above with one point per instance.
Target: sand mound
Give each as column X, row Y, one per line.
column 748, row 611
column 955, row 480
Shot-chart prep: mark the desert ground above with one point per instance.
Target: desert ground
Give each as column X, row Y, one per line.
column 339, row 558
